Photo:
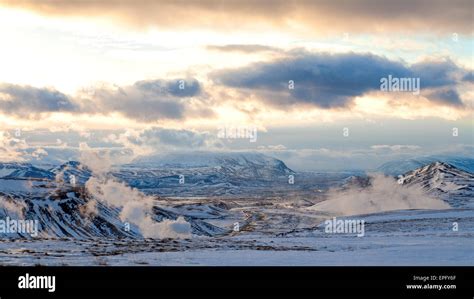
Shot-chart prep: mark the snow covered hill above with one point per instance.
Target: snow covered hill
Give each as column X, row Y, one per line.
column 243, row 165
column 72, row 169
column 65, row 210
column 76, row 210
column 399, row 167
column 204, row 173
column 73, row 212
column 24, row 171
column 445, row 181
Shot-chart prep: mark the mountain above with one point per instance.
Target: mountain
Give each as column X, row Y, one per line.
column 203, row 173
column 23, row 171
column 64, row 214
column 398, row 167
column 241, row 164
column 66, row 171
column 445, row 181
column 173, row 174
column 72, row 212
column 66, row 210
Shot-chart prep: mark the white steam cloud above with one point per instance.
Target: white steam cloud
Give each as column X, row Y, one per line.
column 384, row 194
column 136, row 207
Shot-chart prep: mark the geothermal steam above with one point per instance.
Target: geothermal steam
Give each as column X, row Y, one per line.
column 136, row 207
column 384, row 194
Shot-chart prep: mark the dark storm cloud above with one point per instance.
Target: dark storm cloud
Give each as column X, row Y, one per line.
column 136, row 105
column 28, row 101
column 436, row 73
column 333, row 80
column 145, row 101
column 152, row 100
column 446, row 96
column 324, row 80
column 468, row 77
column 178, row 88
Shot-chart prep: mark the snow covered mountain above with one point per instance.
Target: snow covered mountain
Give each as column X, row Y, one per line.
column 445, row 181
column 244, row 165
column 176, row 174
column 399, row 167
column 66, row 210
column 66, row 171
column 64, row 214
column 23, row 171
column 73, row 212
column 23, row 178
column 203, row 173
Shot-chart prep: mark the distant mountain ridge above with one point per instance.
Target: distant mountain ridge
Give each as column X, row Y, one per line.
column 15, row 170
column 398, row 167
column 197, row 173
column 213, row 160
column 204, row 173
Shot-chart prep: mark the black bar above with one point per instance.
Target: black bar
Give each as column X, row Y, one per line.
column 221, row 282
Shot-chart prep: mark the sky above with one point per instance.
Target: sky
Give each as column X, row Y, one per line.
column 298, row 80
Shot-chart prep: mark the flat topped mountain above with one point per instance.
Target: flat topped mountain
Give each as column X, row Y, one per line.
column 212, row 159
column 172, row 174
column 203, row 173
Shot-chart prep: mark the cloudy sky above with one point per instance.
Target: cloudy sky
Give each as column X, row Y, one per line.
column 144, row 77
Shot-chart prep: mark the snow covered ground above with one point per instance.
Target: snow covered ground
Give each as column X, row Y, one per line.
column 392, row 238
column 425, row 217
